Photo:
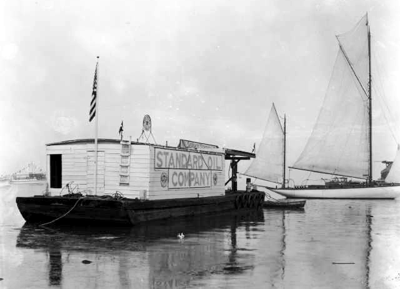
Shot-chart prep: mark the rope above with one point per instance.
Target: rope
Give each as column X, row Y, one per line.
column 64, row 214
column 271, row 198
column 118, row 195
column 68, row 187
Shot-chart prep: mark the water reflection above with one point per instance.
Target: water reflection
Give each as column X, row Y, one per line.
column 326, row 243
column 384, row 252
column 331, row 244
column 55, row 266
column 210, row 247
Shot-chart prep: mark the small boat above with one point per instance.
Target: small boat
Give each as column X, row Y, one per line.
column 270, row 162
column 284, row 204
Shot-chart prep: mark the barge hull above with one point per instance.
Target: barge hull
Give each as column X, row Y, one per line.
column 44, row 209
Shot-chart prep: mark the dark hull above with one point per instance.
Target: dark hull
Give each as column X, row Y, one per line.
column 124, row 212
column 375, row 192
column 284, row 204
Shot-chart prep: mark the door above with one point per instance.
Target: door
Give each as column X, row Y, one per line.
column 56, row 171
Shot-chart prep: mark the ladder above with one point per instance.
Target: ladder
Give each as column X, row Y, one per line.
column 124, row 166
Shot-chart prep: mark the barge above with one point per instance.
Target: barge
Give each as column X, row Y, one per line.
column 134, row 182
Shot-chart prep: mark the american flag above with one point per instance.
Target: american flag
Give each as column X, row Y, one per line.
column 121, row 128
column 92, row 112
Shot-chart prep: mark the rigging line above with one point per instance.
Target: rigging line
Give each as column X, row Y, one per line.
column 257, row 178
column 352, row 68
column 383, row 98
column 387, row 120
column 306, row 180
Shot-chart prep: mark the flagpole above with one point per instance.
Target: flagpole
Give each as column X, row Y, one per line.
column 96, row 129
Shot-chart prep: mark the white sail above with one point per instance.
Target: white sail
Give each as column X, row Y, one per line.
column 394, row 173
column 355, row 47
column 268, row 164
column 339, row 143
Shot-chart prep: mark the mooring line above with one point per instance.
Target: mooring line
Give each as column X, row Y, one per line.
column 76, row 203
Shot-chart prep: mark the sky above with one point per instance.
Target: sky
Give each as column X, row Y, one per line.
column 206, row 70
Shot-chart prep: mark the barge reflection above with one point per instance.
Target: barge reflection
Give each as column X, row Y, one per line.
column 148, row 254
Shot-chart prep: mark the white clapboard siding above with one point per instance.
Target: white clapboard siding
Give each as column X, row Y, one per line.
column 73, row 168
column 91, row 172
column 78, row 167
column 138, row 175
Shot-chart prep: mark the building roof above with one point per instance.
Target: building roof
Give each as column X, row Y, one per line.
column 90, row 140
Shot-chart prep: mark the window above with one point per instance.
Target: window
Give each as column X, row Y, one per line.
column 55, row 171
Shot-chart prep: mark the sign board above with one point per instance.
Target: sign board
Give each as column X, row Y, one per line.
column 188, row 169
column 176, row 159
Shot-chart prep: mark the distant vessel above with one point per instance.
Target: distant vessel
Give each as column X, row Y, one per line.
column 284, row 204
column 4, row 181
column 29, row 174
column 270, row 161
column 269, row 164
column 341, row 142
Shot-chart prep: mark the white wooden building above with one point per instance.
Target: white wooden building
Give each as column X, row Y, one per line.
column 137, row 170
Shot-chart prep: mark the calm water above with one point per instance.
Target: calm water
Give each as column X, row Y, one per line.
column 329, row 244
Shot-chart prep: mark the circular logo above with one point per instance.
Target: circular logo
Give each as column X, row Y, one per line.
column 215, row 178
column 164, row 179
column 147, row 123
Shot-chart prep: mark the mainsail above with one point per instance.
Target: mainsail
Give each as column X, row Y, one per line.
column 340, row 141
column 269, row 162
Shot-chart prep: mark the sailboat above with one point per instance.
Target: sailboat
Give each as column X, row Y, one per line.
column 341, row 141
column 270, row 163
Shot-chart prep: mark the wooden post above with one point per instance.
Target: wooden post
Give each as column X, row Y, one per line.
column 234, row 175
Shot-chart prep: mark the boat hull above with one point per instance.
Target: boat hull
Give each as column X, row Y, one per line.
column 284, row 204
column 381, row 192
column 47, row 209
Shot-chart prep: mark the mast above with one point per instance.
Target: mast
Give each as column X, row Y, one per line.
column 96, row 144
column 284, row 151
column 369, row 104
column 94, row 103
